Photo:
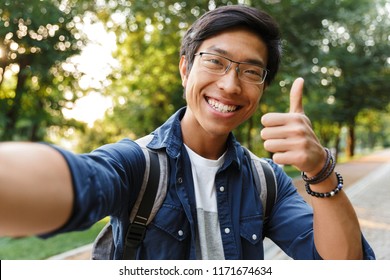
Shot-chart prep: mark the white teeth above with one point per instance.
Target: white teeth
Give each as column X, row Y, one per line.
column 221, row 107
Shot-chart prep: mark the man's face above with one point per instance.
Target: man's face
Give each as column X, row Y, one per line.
column 219, row 103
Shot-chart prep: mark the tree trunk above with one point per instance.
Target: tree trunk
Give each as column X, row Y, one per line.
column 337, row 143
column 37, row 122
column 350, row 148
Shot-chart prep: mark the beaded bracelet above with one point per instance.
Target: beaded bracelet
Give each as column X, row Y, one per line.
column 325, row 172
column 335, row 191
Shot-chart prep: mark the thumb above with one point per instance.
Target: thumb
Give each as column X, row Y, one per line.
column 296, row 93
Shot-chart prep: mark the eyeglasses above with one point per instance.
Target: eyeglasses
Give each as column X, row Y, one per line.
column 220, row 65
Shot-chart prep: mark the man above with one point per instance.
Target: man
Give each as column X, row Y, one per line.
column 228, row 57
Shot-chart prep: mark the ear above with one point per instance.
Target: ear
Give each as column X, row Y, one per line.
column 183, row 70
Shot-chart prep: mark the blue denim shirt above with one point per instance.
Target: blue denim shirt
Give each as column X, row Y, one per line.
column 107, row 180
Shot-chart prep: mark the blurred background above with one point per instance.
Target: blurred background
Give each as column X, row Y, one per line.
column 82, row 73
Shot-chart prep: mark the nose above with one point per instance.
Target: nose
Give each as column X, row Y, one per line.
column 229, row 82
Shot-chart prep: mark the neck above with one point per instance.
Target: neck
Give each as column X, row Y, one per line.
column 207, row 149
column 207, row 145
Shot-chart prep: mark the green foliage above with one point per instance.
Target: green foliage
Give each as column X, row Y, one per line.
column 339, row 47
column 354, row 47
column 36, row 39
column 147, row 88
column 373, row 129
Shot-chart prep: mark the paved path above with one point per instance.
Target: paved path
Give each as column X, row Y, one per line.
column 370, row 198
column 367, row 184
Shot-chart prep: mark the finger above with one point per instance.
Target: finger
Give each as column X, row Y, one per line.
column 279, row 132
column 275, row 145
column 296, row 93
column 284, row 158
column 273, row 119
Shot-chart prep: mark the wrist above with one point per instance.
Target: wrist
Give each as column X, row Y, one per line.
column 324, row 173
column 327, row 185
column 320, row 165
column 326, row 191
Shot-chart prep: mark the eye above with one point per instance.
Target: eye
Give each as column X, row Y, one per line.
column 213, row 61
column 253, row 71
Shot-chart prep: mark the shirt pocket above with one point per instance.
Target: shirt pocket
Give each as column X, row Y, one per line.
column 168, row 235
column 251, row 229
column 172, row 220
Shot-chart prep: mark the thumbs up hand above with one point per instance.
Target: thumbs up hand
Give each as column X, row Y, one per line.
column 290, row 137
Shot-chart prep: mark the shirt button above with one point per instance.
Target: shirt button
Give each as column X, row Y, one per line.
column 180, row 180
column 221, row 188
column 227, row 230
column 254, row 237
column 180, row 233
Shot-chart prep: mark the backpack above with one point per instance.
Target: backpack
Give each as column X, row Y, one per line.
column 148, row 202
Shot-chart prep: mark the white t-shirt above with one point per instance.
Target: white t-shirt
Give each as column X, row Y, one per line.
column 209, row 242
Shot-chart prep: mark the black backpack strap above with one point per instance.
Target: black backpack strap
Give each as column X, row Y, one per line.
column 136, row 231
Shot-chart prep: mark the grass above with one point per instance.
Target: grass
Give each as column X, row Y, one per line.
column 34, row 248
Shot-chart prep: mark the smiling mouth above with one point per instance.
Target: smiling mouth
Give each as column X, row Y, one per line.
column 220, row 107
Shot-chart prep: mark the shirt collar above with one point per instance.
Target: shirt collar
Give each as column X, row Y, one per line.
column 169, row 136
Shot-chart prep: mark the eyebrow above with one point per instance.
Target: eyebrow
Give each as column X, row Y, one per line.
column 226, row 53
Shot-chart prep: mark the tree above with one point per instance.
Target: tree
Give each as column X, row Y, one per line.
column 146, row 88
column 37, row 40
column 356, row 45
column 371, row 128
column 341, row 49
column 300, row 36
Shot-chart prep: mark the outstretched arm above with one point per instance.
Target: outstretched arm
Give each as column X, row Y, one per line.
column 291, row 138
column 36, row 194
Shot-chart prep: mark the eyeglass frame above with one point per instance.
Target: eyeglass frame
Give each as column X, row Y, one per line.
column 237, row 69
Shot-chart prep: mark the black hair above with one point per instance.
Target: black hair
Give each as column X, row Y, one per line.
column 228, row 17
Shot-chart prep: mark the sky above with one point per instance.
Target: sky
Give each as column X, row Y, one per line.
column 95, row 61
